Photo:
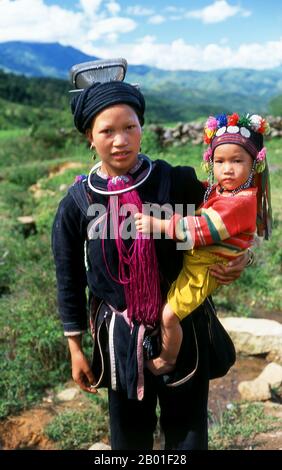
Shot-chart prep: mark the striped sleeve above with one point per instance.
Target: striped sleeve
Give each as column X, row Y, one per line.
column 224, row 219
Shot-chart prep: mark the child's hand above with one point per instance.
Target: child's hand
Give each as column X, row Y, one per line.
column 143, row 223
column 148, row 224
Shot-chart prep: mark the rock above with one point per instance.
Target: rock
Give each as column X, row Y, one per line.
column 255, row 336
column 275, row 356
column 28, row 226
column 197, row 140
column 272, row 374
column 63, row 187
column 167, row 135
column 26, row 219
column 259, row 389
column 254, row 390
column 194, row 130
column 100, row 446
column 68, row 394
column 185, row 128
column 176, row 134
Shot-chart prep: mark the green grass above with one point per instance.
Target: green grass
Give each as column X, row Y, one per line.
column 33, row 354
column 15, row 116
column 78, row 430
column 33, row 351
column 237, row 427
column 12, row 133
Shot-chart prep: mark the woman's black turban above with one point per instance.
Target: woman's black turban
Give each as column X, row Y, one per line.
column 99, row 96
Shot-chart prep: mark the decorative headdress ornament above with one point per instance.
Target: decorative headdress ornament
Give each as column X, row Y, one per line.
column 247, row 131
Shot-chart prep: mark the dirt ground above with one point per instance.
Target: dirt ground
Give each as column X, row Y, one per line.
column 25, row 431
column 224, row 391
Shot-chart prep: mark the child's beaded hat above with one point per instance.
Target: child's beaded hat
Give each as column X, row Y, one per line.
column 247, row 131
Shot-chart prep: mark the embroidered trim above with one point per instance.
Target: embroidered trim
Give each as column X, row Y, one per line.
column 112, row 352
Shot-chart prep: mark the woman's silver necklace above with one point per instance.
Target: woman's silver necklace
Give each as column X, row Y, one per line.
column 97, row 168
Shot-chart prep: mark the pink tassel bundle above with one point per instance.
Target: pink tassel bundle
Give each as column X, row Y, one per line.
column 138, row 265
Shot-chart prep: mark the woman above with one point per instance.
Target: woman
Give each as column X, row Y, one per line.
column 111, row 115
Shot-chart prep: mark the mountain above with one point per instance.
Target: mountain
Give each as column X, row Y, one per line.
column 55, row 60
column 39, row 59
column 185, row 94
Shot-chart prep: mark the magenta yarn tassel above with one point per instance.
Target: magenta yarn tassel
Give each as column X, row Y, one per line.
column 138, row 265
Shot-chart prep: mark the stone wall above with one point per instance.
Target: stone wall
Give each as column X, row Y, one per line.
column 192, row 132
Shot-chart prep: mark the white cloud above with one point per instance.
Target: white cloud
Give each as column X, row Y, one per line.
column 108, row 26
column 33, row 20
column 217, row 12
column 156, row 19
column 111, row 38
column 148, row 39
column 173, row 9
column 113, row 7
column 90, row 7
column 138, row 10
column 178, row 55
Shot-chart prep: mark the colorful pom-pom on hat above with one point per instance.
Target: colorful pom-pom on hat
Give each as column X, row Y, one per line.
column 247, row 131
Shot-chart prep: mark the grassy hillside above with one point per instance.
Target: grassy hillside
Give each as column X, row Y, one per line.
column 50, row 92
column 275, row 106
column 167, row 101
column 172, row 103
column 36, row 169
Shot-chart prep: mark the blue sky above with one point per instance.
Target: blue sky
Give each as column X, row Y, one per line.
column 191, row 34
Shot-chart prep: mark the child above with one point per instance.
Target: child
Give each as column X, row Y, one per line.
column 222, row 228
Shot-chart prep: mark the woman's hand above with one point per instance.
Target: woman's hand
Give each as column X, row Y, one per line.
column 225, row 274
column 81, row 371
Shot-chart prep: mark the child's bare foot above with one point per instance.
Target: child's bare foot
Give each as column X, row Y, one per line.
column 159, row 366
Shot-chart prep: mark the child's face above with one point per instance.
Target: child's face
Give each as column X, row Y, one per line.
column 232, row 165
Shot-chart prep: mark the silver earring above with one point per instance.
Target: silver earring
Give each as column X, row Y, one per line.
column 94, row 156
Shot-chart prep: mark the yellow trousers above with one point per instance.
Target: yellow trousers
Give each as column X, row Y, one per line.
column 194, row 282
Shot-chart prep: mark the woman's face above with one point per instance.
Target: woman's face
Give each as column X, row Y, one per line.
column 116, row 136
